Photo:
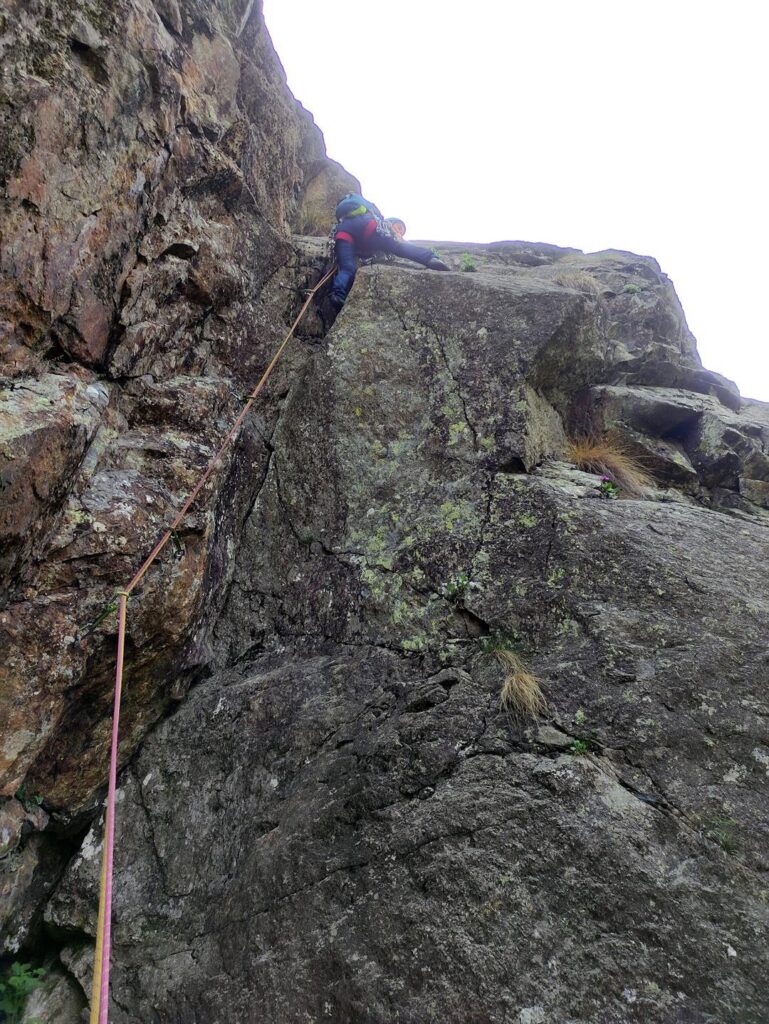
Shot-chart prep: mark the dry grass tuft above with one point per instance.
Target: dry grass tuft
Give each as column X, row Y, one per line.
column 521, row 693
column 611, row 457
column 578, row 280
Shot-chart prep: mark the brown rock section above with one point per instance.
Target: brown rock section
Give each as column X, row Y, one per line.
column 152, row 160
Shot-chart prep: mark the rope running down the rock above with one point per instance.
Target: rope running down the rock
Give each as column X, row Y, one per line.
column 101, row 967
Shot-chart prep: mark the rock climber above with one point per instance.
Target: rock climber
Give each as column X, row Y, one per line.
column 361, row 231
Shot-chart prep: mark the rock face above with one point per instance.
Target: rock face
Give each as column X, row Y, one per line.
column 152, row 160
column 340, row 822
column 348, row 806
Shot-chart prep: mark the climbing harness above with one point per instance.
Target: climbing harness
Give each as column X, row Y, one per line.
column 101, row 967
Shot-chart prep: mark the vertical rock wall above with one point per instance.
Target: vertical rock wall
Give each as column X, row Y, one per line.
column 152, row 158
column 345, row 824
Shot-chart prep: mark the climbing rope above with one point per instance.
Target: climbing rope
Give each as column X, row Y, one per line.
column 101, row 967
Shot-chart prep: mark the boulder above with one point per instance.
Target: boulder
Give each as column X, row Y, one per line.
column 46, row 427
column 682, row 434
column 756, row 491
column 659, row 373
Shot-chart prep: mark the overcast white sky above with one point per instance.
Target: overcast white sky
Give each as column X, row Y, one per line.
column 599, row 124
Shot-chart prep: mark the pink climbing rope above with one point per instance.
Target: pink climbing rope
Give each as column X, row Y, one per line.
column 109, row 838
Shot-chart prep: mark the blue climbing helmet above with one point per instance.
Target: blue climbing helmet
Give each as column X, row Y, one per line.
column 353, row 205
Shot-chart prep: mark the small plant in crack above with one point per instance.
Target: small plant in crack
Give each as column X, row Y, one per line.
column 722, row 829
column 415, row 644
column 521, row 693
column 586, row 742
column 495, row 642
column 611, row 457
column 104, row 614
column 456, row 587
column 467, row 265
column 578, row 280
column 607, row 488
column 15, row 986
column 29, row 801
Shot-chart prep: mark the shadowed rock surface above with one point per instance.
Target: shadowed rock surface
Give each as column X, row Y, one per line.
column 339, row 822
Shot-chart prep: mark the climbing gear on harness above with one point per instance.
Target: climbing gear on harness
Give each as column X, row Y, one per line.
column 369, row 226
column 101, row 970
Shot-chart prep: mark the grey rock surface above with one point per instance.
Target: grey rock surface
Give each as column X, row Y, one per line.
column 347, row 804
column 324, row 811
column 366, row 862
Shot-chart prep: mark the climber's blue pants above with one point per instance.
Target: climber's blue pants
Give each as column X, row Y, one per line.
column 347, row 254
column 347, row 263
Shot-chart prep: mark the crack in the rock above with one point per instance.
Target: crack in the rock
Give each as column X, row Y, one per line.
column 341, row 725
column 153, row 840
column 658, row 799
column 658, row 802
column 457, row 388
column 666, row 802
column 368, row 645
column 116, row 325
column 284, row 507
column 239, row 533
column 387, row 299
column 486, row 522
